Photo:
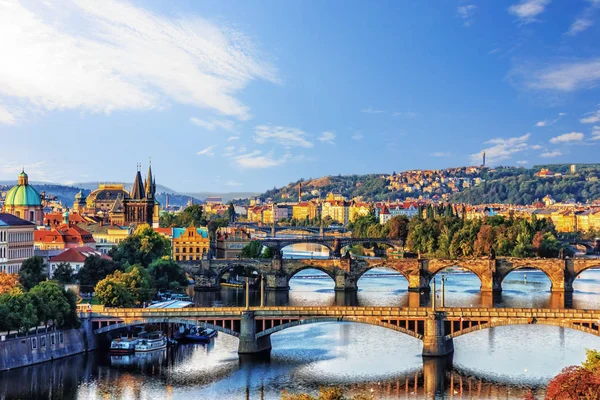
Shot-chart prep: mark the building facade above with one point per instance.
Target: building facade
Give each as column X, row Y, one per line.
column 231, row 241
column 75, row 258
column 190, row 244
column 16, row 242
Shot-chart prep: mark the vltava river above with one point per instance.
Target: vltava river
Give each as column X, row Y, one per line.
column 497, row 363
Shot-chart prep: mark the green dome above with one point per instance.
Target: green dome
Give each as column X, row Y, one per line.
column 23, row 195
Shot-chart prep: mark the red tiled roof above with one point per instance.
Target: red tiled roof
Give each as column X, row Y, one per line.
column 79, row 254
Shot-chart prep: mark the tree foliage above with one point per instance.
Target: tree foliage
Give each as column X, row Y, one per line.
column 95, row 269
column 125, row 289
column 64, row 273
column 191, row 215
column 577, row 382
column 255, row 249
column 32, row 272
column 143, row 247
column 167, row 274
column 8, row 282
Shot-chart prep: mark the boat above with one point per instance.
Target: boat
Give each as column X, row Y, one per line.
column 195, row 334
column 123, row 345
column 151, row 341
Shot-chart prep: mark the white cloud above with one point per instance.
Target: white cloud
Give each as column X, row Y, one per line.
column 209, row 151
column 257, row 159
column 495, row 50
column 371, row 110
column 440, row 154
column 502, row 149
column 551, row 154
column 232, row 138
column 358, row 136
column 541, row 123
column 528, row 10
column 327, row 137
column 591, row 117
column 522, row 162
column 214, row 124
column 233, row 183
column 596, row 132
column 535, row 147
column 546, row 122
column 285, row 136
column 466, row 12
column 111, row 55
column 6, row 117
column 567, row 138
column 585, row 19
column 565, row 77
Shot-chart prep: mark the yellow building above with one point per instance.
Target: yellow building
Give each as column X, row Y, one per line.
column 336, row 209
column 190, row 244
column 357, row 209
column 306, row 209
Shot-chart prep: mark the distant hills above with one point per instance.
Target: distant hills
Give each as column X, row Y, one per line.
column 66, row 193
column 474, row 185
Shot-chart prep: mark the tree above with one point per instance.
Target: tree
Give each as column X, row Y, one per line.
column 32, row 272
column 64, row 273
column 192, row 215
column 577, row 382
column 112, row 292
column 138, row 281
column 485, row 241
column 397, row 228
column 231, row 215
column 51, row 303
column 253, row 249
column 143, row 247
column 8, row 282
column 95, row 269
column 167, row 274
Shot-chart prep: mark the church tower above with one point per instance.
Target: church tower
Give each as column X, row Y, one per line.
column 141, row 207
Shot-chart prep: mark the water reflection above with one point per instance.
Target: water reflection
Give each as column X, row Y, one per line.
column 497, row 363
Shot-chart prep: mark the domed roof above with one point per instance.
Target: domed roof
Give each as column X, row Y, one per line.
column 22, row 194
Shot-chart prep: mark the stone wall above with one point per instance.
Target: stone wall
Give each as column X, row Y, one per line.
column 34, row 349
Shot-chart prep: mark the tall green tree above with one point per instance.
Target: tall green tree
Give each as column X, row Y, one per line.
column 55, row 304
column 143, row 247
column 94, row 270
column 32, row 272
column 64, row 273
column 167, row 274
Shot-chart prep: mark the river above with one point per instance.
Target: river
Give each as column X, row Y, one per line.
column 498, row 363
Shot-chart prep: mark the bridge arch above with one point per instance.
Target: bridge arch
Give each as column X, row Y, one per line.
column 359, row 320
column 554, row 281
column 146, row 321
column 325, row 247
column 584, row 327
column 295, row 271
column 229, row 268
column 386, row 266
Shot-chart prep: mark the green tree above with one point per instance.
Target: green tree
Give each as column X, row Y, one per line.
column 143, row 247
column 167, row 274
column 397, row 228
column 95, row 269
column 138, row 281
column 55, row 304
column 32, row 272
column 64, row 273
column 112, row 292
column 253, row 249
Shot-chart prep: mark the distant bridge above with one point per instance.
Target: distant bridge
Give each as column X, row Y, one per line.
column 436, row 328
column 312, row 230
column 346, row 272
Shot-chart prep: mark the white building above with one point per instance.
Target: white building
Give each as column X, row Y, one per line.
column 16, row 242
column 75, row 257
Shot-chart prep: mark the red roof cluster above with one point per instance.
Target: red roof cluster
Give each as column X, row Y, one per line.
column 79, row 254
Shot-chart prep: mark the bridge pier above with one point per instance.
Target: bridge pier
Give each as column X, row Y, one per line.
column 276, row 281
column 435, row 342
column 345, row 282
column 434, row 375
column 249, row 344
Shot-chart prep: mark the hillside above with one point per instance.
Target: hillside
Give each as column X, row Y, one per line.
column 475, row 185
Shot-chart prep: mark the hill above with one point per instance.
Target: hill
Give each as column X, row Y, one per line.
column 474, row 185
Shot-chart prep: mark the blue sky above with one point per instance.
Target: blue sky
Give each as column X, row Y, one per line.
column 247, row 95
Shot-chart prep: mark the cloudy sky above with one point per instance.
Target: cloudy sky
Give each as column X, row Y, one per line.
column 247, row 95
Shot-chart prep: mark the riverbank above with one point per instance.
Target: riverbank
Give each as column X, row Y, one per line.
column 38, row 348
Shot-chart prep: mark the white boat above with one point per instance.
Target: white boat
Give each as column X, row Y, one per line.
column 123, row 345
column 151, row 341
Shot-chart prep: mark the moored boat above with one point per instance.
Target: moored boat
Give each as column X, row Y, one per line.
column 151, row 341
column 199, row 334
column 123, row 345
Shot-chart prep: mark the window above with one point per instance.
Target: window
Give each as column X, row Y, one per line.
column 31, row 215
column 33, row 343
column 43, row 341
column 52, row 340
column 60, row 337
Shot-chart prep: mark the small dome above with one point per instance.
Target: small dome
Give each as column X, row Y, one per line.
column 22, row 194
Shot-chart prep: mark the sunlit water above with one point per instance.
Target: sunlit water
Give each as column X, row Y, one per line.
column 498, row 363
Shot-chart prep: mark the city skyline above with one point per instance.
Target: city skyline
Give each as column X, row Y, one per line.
column 231, row 97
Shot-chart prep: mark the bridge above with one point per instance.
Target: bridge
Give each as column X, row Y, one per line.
column 270, row 229
column 419, row 272
column 436, row 328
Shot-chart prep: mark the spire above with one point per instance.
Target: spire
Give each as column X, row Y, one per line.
column 137, row 192
column 149, row 183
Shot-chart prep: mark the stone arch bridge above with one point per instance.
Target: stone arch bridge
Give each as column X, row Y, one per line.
column 436, row 328
column 346, row 271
